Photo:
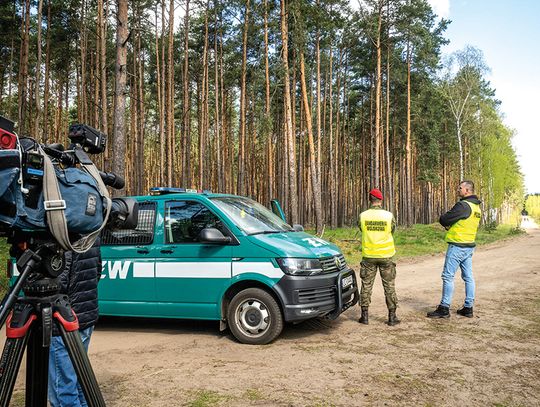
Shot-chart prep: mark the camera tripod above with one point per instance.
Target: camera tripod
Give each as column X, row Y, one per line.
column 29, row 326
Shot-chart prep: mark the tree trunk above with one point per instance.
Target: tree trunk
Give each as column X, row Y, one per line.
column 23, row 69
column 38, row 128
column 377, row 181
column 268, row 119
column 186, row 111
column 160, row 100
column 331, row 150
column 315, row 183
column 170, row 98
column 389, row 174
column 241, row 187
column 46, row 79
column 102, row 29
column 203, row 131
column 119, row 162
column 217, row 135
column 291, row 159
column 408, row 160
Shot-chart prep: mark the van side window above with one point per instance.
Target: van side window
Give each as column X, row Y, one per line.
column 184, row 220
column 143, row 234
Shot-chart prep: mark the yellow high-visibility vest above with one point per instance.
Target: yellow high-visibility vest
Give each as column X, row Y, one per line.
column 377, row 239
column 464, row 230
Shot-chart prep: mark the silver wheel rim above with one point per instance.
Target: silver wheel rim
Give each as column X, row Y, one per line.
column 252, row 318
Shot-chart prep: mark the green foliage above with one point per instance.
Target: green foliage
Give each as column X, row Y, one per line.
column 532, row 205
column 4, row 256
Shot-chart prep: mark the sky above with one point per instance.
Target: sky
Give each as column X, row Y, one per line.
column 508, row 33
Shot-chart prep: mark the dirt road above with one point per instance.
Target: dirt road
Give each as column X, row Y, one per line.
column 491, row 359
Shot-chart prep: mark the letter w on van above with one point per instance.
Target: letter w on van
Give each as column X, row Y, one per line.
column 116, row 268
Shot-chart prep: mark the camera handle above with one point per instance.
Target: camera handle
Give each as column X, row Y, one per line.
column 27, row 262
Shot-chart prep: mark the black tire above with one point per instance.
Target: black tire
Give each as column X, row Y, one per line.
column 254, row 317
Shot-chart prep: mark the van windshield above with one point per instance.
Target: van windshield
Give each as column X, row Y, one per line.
column 250, row 216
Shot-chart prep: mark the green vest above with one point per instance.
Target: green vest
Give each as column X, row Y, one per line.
column 377, row 240
column 464, row 230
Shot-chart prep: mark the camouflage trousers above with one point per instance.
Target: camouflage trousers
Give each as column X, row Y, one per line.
column 368, row 272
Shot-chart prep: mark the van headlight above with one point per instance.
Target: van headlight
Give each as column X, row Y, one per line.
column 300, row 267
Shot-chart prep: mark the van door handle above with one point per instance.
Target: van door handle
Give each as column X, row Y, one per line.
column 166, row 251
column 143, row 250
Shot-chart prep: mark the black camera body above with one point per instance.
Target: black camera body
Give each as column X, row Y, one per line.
column 92, row 141
column 27, row 199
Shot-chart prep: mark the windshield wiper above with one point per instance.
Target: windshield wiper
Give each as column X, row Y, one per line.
column 266, row 232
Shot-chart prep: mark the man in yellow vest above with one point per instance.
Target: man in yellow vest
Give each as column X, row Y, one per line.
column 377, row 226
column 462, row 223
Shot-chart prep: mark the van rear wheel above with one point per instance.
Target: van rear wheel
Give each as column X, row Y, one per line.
column 254, row 317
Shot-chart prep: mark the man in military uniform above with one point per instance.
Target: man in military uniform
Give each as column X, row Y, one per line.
column 462, row 224
column 377, row 226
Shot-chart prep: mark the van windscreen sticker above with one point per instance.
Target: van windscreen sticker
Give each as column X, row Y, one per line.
column 315, row 241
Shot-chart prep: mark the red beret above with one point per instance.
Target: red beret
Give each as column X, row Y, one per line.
column 376, row 193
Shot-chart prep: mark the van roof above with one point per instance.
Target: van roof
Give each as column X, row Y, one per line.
column 168, row 193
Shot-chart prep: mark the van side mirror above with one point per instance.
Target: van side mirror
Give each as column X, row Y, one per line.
column 298, row 228
column 276, row 209
column 213, row 236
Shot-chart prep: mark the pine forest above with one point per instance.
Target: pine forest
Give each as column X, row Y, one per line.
column 310, row 102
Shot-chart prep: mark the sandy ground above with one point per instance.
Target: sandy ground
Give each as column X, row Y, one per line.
column 492, row 359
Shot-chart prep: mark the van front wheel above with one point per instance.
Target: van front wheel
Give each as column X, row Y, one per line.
column 254, row 317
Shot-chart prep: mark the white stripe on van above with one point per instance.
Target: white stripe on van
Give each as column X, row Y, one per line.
column 264, row 268
column 193, row 270
column 120, row 269
column 143, row 270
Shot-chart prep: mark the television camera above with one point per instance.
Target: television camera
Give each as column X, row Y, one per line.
column 52, row 200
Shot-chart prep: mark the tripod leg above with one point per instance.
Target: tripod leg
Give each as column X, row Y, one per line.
column 81, row 364
column 37, row 369
column 12, row 357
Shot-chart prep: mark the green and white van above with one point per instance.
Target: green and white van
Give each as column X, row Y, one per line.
column 225, row 258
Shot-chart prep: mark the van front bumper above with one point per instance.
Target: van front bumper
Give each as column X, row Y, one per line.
column 327, row 295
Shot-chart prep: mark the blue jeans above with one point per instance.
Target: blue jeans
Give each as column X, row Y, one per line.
column 64, row 389
column 458, row 257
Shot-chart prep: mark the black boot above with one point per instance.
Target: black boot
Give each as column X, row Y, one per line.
column 364, row 319
column 392, row 318
column 465, row 312
column 440, row 312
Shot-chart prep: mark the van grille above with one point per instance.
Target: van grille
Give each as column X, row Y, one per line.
column 329, row 264
column 316, row 294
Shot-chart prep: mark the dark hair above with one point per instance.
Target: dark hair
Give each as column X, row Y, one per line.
column 469, row 184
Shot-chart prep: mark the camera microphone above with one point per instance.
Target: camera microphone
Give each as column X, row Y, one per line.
column 112, row 180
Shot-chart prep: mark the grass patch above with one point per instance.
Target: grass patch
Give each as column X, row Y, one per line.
column 253, row 395
column 4, row 256
column 206, row 398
